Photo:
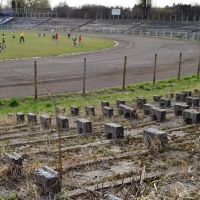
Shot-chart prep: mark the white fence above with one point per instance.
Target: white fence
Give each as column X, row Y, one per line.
column 137, row 31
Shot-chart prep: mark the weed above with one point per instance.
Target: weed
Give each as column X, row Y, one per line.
column 48, row 105
column 14, row 102
column 12, row 196
column 100, row 150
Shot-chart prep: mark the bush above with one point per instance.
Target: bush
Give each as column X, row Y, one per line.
column 48, row 105
column 14, row 103
column 12, row 196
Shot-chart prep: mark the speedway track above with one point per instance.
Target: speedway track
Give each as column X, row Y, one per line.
column 64, row 73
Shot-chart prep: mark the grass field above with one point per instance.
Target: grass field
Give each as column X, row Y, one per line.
column 94, row 98
column 38, row 46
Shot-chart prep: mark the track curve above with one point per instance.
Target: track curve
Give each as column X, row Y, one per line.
column 104, row 67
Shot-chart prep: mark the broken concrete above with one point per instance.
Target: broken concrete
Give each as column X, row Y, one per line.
column 63, row 123
column 89, row 110
column 20, row 117
column 74, row 110
column 140, row 101
column 192, row 101
column 32, row 118
column 48, row 180
column 146, row 108
column 45, row 121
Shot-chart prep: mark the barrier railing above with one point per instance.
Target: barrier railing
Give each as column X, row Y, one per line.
column 138, row 32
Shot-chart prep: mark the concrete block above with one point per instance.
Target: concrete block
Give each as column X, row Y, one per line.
column 127, row 111
column 10, row 116
column 32, row 118
column 164, row 103
column 104, row 103
column 146, row 108
column 20, row 117
column 74, row 110
column 84, row 126
column 192, row 101
column 140, row 101
column 63, row 123
column 180, row 97
column 187, row 93
column 118, row 102
column 45, row 121
column 113, row 131
column 13, row 159
column 155, row 137
column 157, row 114
column 191, row 116
column 48, row 180
column 89, row 110
column 156, row 98
column 179, row 108
column 111, row 197
column 107, row 111
column 61, row 110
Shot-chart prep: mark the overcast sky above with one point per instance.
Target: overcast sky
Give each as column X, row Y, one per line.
column 124, row 3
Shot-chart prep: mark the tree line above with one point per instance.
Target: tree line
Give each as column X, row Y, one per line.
column 139, row 11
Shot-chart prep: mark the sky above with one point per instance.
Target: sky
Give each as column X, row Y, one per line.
column 123, row 3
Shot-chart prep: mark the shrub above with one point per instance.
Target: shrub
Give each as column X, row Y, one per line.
column 141, row 86
column 158, row 87
column 1, row 103
column 48, row 105
column 14, row 102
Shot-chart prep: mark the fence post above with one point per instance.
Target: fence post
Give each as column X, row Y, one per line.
column 198, row 66
column 179, row 69
column 35, row 78
column 84, row 74
column 124, row 72
column 154, row 71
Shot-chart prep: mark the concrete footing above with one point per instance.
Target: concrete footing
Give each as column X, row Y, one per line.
column 74, row 110
column 89, row 110
column 140, row 101
column 113, row 131
column 147, row 108
column 179, row 108
column 191, row 116
column 48, row 180
column 84, row 126
column 32, row 118
column 154, row 137
column 20, row 117
column 63, row 123
column 107, row 111
column 192, row 101
column 127, row 112
column 157, row 114
column 164, row 103
column 45, row 121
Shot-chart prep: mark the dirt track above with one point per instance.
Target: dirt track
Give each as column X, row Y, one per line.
column 104, row 67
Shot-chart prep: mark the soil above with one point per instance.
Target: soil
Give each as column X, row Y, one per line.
column 93, row 165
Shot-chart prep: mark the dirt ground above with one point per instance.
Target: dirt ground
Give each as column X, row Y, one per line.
column 94, row 167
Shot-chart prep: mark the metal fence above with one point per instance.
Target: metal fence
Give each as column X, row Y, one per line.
column 137, row 31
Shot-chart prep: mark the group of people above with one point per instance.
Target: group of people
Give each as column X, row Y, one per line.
column 54, row 37
column 74, row 38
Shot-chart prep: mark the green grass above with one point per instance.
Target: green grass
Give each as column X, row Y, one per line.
column 38, row 46
column 94, row 97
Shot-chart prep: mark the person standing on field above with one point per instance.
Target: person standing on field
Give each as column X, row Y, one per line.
column 3, row 41
column 68, row 33
column 56, row 37
column 79, row 40
column 74, row 39
column 21, row 37
column 13, row 36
